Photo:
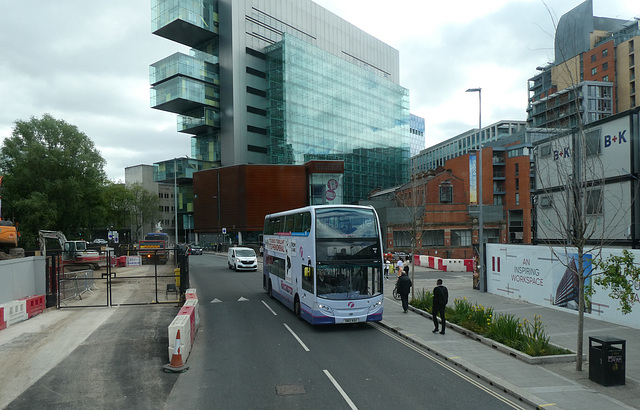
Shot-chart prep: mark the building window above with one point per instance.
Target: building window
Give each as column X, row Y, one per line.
column 605, row 78
column 545, row 150
column 517, row 184
column 546, row 201
column 592, row 142
column 461, row 237
column 517, row 169
column 446, row 193
column 605, row 66
column 594, row 202
column 433, row 238
column 517, row 198
column 605, row 52
column 401, row 239
column 594, row 71
column 593, row 58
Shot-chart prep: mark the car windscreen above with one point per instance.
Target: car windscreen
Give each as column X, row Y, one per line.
column 245, row 253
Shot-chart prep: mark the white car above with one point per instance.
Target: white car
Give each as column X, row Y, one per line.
column 100, row 241
column 239, row 258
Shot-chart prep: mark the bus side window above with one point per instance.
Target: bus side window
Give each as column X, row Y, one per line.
column 307, row 278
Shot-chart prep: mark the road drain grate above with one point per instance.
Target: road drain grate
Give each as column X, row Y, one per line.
column 290, row 389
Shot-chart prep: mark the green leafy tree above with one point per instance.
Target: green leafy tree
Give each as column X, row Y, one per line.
column 118, row 202
column 145, row 208
column 54, row 178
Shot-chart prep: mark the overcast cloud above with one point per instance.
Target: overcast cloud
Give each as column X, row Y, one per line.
column 88, row 63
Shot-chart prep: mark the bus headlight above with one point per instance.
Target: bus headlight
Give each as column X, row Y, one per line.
column 326, row 310
column 375, row 307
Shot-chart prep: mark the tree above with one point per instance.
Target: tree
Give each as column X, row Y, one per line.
column 54, row 178
column 145, row 207
column 578, row 211
column 118, row 200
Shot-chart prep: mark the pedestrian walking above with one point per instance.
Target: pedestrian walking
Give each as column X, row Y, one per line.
column 386, row 269
column 399, row 266
column 440, row 300
column 392, row 268
column 404, row 286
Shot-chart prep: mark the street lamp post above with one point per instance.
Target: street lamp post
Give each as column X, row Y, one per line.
column 481, row 270
column 175, row 197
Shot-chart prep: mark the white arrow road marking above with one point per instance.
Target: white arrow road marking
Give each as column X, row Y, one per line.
column 216, row 300
column 242, row 299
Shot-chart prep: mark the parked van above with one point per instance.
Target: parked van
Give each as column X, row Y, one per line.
column 240, row 258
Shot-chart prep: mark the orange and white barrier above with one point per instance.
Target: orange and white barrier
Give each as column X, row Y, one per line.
column 15, row 312
column 3, row 324
column 176, row 364
column 182, row 332
column 34, row 305
column 182, row 324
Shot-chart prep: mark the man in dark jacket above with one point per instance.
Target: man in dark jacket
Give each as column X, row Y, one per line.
column 440, row 299
column 404, row 285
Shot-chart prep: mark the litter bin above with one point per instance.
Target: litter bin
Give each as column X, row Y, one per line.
column 606, row 360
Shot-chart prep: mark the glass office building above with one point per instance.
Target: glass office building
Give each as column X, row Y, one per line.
column 323, row 107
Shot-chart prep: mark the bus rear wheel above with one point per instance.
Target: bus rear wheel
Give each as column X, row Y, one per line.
column 296, row 307
column 270, row 290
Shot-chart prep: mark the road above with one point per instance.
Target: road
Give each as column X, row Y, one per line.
column 250, row 353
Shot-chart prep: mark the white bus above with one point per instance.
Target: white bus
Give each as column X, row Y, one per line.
column 325, row 263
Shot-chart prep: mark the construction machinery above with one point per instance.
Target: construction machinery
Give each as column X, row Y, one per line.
column 8, row 234
column 75, row 254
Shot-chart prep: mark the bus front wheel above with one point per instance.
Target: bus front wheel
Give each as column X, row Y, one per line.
column 296, row 307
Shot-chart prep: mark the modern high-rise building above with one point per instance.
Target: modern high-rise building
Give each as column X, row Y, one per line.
column 280, row 82
column 593, row 74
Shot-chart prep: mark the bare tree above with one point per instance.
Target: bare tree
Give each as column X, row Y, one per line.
column 579, row 211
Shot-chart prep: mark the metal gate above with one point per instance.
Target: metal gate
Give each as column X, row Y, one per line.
column 122, row 280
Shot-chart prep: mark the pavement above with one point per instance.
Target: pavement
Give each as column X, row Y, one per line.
column 548, row 386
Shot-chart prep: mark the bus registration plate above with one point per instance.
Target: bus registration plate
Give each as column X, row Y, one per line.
column 352, row 320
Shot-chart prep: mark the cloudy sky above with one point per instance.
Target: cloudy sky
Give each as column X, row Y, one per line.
column 87, row 63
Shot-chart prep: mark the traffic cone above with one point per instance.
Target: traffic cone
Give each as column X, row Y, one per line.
column 176, row 365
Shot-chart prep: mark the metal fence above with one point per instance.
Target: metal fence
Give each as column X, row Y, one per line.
column 112, row 280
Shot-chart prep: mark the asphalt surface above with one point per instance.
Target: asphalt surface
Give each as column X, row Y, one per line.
column 31, row 349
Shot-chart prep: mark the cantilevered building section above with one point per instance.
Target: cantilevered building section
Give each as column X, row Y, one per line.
column 282, row 82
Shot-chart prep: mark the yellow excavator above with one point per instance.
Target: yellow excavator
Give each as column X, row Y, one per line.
column 8, row 234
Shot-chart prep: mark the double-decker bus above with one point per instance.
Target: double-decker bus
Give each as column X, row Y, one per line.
column 325, row 263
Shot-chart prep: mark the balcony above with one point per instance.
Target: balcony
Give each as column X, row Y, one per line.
column 193, row 124
column 186, row 22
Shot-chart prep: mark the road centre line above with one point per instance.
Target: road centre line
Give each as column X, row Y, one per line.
column 269, row 307
column 450, row 368
column 340, row 390
column 297, row 338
